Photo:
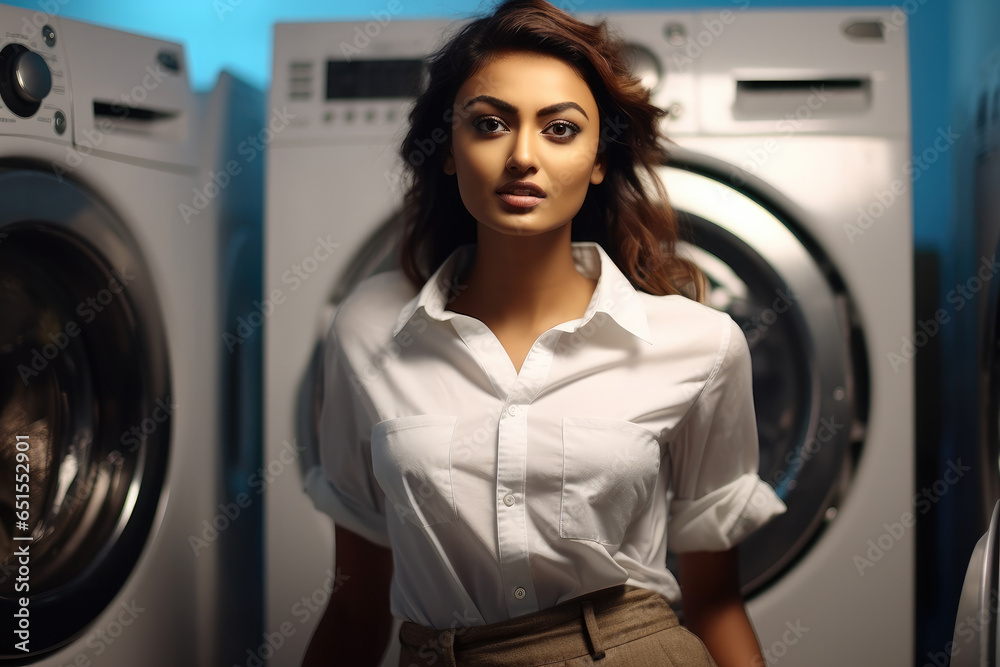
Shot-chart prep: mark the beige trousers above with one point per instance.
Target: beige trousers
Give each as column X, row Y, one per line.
column 622, row 626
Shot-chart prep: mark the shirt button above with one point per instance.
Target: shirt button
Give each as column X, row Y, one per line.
column 519, row 593
column 512, row 410
column 508, row 500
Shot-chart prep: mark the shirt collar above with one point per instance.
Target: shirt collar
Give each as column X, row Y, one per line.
column 614, row 295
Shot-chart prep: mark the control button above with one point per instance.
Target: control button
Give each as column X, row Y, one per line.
column 519, row 593
column 49, row 35
column 34, row 81
column 170, row 60
column 675, row 33
column 512, row 410
column 328, row 117
column 59, row 122
column 370, row 116
column 390, row 115
column 349, row 116
column 865, row 30
column 25, row 80
column 508, row 500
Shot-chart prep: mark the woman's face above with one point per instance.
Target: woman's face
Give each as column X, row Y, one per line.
column 524, row 144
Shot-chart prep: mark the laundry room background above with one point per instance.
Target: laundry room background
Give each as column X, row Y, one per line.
column 954, row 61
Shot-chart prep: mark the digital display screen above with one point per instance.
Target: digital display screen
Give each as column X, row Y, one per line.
column 373, row 79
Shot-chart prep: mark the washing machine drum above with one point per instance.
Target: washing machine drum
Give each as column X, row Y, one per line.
column 809, row 368
column 82, row 366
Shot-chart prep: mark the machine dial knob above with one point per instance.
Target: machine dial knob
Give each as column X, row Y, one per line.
column 32, row 79
column 644, row 66
column 25, row 79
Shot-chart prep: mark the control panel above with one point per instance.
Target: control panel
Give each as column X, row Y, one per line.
column 356, row 81
column 34, row 89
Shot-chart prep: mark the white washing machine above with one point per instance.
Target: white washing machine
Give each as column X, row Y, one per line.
column 791, row 171
column 117, row 239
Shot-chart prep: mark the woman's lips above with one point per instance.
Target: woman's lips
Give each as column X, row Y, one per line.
column 520, row 201
column 521, row 194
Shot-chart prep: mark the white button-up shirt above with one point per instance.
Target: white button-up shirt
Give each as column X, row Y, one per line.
column 626, row 431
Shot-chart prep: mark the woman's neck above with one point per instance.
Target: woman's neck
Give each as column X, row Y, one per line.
column 527, row 281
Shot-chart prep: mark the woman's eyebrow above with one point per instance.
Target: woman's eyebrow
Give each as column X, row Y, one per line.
column 561, row 106
column 510, row 108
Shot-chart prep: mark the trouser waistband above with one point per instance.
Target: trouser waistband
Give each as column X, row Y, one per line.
column 589, row 624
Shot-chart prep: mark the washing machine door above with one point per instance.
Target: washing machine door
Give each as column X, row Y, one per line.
column 806, row 356
column 83, row 445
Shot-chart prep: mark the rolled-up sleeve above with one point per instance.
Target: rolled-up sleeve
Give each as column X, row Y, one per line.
column 717, row 496
column 352, row 495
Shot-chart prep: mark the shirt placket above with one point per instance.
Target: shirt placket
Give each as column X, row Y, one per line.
column 512, row 472
column 517, row 392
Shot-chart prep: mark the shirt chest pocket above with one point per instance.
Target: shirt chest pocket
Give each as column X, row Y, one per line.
column 411, row 458
column 610, row 468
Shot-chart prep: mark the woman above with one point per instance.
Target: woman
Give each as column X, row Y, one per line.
column 519, row 423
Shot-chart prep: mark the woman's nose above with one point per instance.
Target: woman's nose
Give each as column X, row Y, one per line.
column 522, row 157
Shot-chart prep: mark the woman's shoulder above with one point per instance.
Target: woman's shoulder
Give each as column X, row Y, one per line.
column 370, row 309
column 678, row 321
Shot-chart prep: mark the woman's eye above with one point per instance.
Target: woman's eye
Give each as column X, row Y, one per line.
column 488, row 124
column 563, row 130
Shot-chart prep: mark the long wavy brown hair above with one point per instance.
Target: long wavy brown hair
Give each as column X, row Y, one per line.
column 627, row 214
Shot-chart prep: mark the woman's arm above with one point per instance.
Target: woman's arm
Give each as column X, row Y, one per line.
column 355, row 628
column 713, row 607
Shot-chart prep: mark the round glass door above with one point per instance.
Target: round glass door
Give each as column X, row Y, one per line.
column 84, row 409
